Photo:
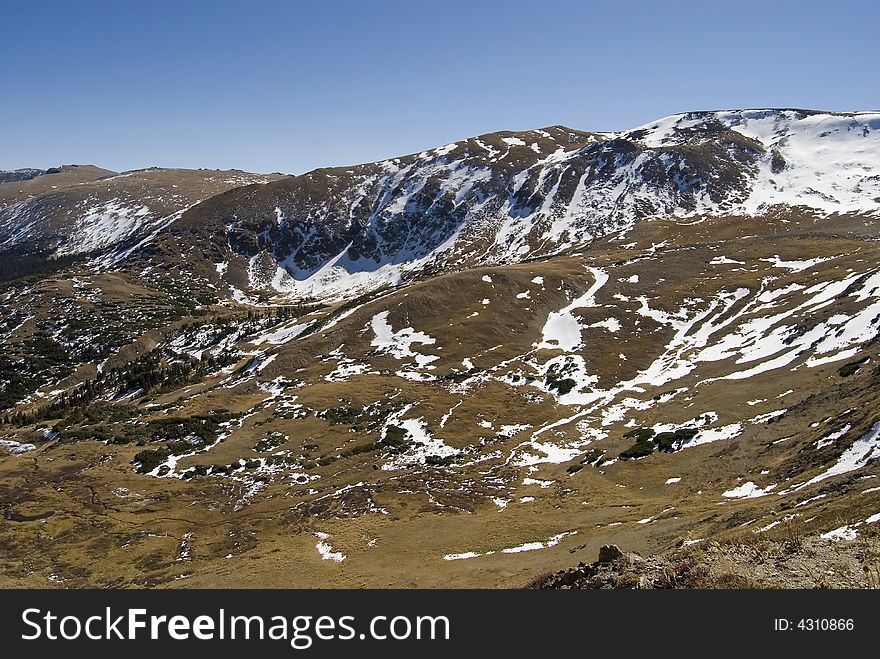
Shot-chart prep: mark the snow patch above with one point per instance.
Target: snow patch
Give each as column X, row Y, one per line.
column 748, row 491
column 325, row 550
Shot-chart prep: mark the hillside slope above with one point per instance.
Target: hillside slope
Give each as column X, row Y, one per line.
column 692, row 361
column 85, row 210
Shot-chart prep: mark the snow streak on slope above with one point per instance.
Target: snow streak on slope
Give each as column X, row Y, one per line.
column 562, row 329
column 92, row 225
column 399, row 343
column 738, row 334
column 105, row 225
column 107, row 217
column 863, row 450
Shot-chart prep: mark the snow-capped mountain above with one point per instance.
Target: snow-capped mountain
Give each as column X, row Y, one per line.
column 497, row 198
column 85, row 210
column 22, row 174
column 506, row 197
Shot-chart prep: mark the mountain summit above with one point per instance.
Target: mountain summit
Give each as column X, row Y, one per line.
column 506, row 197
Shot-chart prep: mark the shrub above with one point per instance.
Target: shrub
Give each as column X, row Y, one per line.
column 335, row 415
column 395, row 436
column 638, row 450
column 149, row 459
column 667, row 442
column 593, row 457
column 641, row 434
column 439, row 460
column 562, row 387
column 849, row 369
column 270, row 442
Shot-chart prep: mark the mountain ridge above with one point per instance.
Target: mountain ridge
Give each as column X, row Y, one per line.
column 551, row 194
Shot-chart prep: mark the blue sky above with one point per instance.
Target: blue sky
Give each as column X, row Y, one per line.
column 290, row 86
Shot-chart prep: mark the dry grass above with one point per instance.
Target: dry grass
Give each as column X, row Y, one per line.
column 435, row 511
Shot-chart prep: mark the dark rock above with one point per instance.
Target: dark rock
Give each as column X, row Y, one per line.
column 609, row 553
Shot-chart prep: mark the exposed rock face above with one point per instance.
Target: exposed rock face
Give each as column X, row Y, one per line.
column 810, row 562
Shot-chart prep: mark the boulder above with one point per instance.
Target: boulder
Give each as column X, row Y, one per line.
column 609, row 553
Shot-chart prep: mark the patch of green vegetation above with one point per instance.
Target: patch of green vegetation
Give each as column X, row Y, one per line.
column 32, row 267
column 641, row 434
column 849, row 369
column 667, row 442
column 205, row 426
column 337, row 415
column 439, row 460
column 561, row 387
column 84, row 326
column 279, row 460
column 152, row 373
column 149, row 459
column 17, row 384
column 593, row 457
column 179, row 435
column 270, row 442
column 370, row 418
column 640, row 449
column 99, row 433
column 282, row 313
column 29, row 365
column 395, row 436
column 146, row 374
column 99, row 413
column 396, row 439
column 198, row 470
column 361, row 448
column 459, row 376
